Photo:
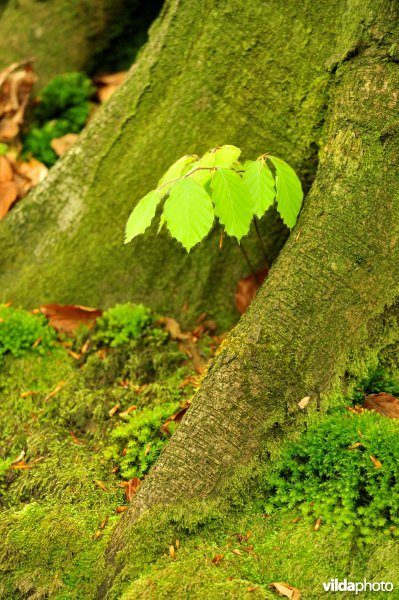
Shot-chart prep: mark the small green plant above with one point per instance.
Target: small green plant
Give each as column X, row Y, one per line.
column 121, row 324
column 142, row 438
column 217, row 184
column 63, row 108
column 21, row 331
column 343, row 470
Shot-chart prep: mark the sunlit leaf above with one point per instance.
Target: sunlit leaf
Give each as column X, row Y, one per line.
column 188, row 212
column 289, row 192
column 178, row 169
column 233, row 203
column 222, row 157
column 142, row 215
column 260, row 183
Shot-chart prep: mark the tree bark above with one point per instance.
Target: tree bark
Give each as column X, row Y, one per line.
column 329, row 303
column 233, row 83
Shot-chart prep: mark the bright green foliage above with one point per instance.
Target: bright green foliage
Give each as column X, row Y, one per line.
column 188, row 212
column 239, row 193
column 289, row 192
column 64, row 108
column 143, row 439
column 233, row 204
column 179, row 168
column 121, row 324
column 142, row 215
column 222, row 158
column 19, row 330
column 3, row 149
column 260, row 183
column 329, row 476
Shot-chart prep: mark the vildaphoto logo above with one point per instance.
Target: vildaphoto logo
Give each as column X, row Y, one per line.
column 335, row 585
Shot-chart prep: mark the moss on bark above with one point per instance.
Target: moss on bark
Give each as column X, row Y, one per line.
column 261, row 94
column 328, row 305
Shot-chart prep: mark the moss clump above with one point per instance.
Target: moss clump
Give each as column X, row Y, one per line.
column 121, row 324
column 139, row 442
column 329, row 474
column 21, row 331
column 63, row 108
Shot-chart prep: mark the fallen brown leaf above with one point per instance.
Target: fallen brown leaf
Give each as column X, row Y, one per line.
column 55, row 391
column 287, row 590
column 37, row 342
column 317, row 524
column 176, row 417
column 101, row 485
column 67, row 317
column 8, row 196
column 172, row 551
column 132, row 488
column 62, row 144
column 237, row 552
column 296, row 520
column 383, row 403
column 6, row 172
column 375, row 462
column 75, row 439
column 121, row 509
column 354, row 446
column 173, row 328
column 33, row 170
column 252, row 588
column 21, row 465
column 247, row 288
column 217, row 559
column 104, row 522
column 304, row 402
column 107, row 84
column 114, row 409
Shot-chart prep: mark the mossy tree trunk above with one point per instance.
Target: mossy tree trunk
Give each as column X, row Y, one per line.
column 329, row 305
column 186, row 94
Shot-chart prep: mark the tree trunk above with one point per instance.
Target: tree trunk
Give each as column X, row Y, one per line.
column 234, row 83
column 62, row 35
column 328, row 305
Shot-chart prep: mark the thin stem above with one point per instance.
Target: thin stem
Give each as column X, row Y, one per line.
column 186, row 175
column 267, row 265
column 249, row 264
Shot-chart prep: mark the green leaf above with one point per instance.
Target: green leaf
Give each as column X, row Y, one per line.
column 223, row 157
column 188, row 212
column 142, row 215
column 233, row 203
column 289, row 192
column 260, row 183
column 178, row 169
column 3, row 149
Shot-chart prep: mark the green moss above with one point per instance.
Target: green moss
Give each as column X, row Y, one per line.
column 138, row 443
column 50, row 514
column 122, row 323
column 21, row 331
column 55, row 419
column 328, row 474
column 63, row 108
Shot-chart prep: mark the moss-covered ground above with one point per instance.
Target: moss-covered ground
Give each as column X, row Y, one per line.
column 70, row 439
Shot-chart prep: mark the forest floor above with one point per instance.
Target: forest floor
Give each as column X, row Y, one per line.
column 84, row 417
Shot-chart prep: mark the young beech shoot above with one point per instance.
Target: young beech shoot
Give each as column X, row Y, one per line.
column 196, row 190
